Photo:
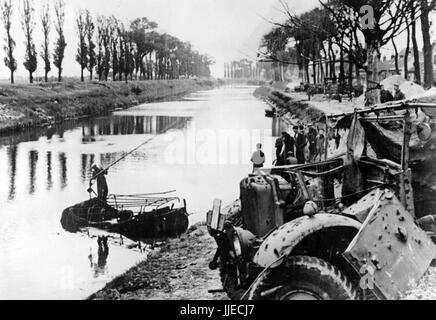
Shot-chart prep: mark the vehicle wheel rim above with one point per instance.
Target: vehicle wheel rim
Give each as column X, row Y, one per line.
column 299, row 295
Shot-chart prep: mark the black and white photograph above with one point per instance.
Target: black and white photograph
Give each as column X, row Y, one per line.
column 216, row 153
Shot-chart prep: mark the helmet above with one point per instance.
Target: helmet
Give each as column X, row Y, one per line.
column 310, row 208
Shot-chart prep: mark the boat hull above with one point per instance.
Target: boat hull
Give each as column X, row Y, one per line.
column 156, row 224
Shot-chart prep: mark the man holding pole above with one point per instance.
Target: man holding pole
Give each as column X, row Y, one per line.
column 102, row 188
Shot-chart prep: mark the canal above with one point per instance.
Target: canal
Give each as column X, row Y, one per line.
column 200, row 146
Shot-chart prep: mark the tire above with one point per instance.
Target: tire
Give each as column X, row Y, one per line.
column 228, row 271
column 229, row 280
column 303, row 278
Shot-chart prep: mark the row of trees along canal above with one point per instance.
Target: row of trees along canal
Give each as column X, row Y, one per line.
column 106, row 45
column 247, row 69
column 341, row 31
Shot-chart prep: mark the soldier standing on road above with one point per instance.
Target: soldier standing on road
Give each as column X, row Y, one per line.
column 279, row 149
column 258, row 158
column 311, row 137
column 385, row 95
column 399, row 95
column 289, row 146
column 301, row 146
column 295, row 132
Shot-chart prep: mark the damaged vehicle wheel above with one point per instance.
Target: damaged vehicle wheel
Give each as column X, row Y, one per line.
column 303, row 278
column 229, row 280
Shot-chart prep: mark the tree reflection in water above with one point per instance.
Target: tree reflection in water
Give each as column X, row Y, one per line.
column 89, row 129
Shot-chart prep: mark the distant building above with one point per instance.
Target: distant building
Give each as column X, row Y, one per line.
column 387, row 67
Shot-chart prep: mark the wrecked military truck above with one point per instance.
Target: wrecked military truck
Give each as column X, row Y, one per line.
column 352, row 227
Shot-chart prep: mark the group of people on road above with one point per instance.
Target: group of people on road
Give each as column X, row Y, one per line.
column 293, row 149
column 307, row 144
column 386, row 95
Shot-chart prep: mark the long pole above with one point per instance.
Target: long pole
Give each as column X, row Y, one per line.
column 122, row 158
column 127, row 154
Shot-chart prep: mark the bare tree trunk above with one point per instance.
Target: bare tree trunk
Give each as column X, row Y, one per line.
column 397, row 68
column 321, row 69
column 314, row 69
column 428, row 49
column 326, row 72
column 306, row 68
column 372, row 76
column 350, row 66
column 406, row 55
column 416, row 62
column 332, row 61
column 357, row 74
column 341, row 66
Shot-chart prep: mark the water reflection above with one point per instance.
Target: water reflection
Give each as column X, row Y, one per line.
column 54, row 161
column 278, row 126
column 86, row 162
column 100, row 268
column 63, row 169
column 129, row 125
column 12, row 170
column 33, row 160
column 35, row 134
column 49, row 171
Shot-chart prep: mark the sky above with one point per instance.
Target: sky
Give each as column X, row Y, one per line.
column 224, row 29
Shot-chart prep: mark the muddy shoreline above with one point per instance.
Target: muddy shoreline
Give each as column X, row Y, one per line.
column 179, row 270
column 41, row 105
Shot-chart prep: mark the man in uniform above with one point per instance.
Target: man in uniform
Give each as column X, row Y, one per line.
column 399, row 95
column 258, row 158
column 279, row 150
column 311, row 137
column 289, row 146
column 300, row 146
column 385, row 95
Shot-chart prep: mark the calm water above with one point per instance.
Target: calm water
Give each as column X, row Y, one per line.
column 200, row 146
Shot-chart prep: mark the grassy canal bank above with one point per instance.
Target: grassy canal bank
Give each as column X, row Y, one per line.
column 27, row 106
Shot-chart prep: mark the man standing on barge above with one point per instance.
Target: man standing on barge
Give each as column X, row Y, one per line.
column 102, row 188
